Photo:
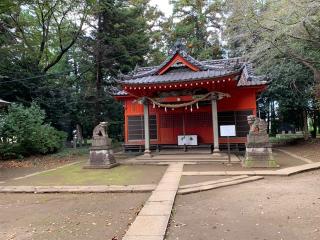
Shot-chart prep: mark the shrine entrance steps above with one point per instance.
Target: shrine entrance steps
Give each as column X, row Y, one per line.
column 182, row 152
column 195, row 156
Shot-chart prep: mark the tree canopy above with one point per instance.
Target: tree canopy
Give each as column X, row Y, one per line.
column 65, row 54
column 282, row 39
column 199, row 22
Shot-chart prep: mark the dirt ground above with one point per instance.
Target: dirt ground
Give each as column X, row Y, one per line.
column 17, row 168
column 67, row 216
column 286, row 208
column 310, row 149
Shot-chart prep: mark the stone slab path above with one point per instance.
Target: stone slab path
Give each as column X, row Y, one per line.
column 281, row 172
column 151, row 223
column 78, row 189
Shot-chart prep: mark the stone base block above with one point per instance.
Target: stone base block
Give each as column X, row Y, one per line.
column 107, row 166
column 249, row 163
column 101, row 158
column 257, row 138
column 259, row 157
column 258, row 150
column 101, row 141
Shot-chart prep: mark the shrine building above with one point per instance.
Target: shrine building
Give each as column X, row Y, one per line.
column 184, row 101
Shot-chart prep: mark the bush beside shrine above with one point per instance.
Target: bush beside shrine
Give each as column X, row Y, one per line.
column 23, row 132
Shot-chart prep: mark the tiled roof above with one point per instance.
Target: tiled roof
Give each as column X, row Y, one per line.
column 179, row 76
column 207, row 69
column 247, row 77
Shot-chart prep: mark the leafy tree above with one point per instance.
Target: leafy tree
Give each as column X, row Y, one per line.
column 36, row 38
column 291, row 92
column 199, row 22
column 23, row 132
column 65, row 54
column 286, row 28
column 43, row 31
column 284, row 32
column 119, row 42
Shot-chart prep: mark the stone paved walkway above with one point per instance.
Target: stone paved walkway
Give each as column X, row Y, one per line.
column 152, row 221
column 281, row 172
column 78, row 189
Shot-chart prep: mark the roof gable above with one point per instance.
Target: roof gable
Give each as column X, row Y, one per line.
column 177, row 59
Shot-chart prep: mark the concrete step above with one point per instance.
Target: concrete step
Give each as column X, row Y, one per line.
column 181, row 152
column 189, row 156
column 186, row 158
column 218, row 185
column 201, row 184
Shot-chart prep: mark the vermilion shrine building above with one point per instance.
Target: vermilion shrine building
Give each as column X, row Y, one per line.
column 184, row 96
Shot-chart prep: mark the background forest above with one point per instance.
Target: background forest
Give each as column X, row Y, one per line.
column 64, row 55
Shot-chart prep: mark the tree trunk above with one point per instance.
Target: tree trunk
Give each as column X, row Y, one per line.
column 99, row 75
column 315, row 122
column 268, row 116
column 314, row 125
column 305, row 125
column 273, row 119
column 316, row 73
column 318, row 123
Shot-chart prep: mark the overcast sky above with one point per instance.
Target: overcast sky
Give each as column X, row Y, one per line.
column 163, row 5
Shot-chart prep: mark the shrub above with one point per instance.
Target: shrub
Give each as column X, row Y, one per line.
column 23, row 132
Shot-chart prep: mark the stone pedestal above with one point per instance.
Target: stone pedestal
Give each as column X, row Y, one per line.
column 258, row 151
column 101, row 154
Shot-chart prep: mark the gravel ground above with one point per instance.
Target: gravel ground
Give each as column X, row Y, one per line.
column 273, row 208
column 67, row 216
column 310, row 150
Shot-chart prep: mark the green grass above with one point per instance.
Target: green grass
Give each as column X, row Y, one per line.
column 84, row 150
column 68, row 152
column 76, row 175
column 285, row 138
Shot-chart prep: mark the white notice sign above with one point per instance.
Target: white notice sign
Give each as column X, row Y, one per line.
column 191, row 140
column 228, row 130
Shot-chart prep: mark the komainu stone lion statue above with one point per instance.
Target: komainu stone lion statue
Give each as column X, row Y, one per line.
column 101, row 153
column 100, row 130
column 258, row 147
column 257, row 125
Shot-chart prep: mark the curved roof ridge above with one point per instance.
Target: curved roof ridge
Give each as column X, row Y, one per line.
column 239, row 60
column 207, row 68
